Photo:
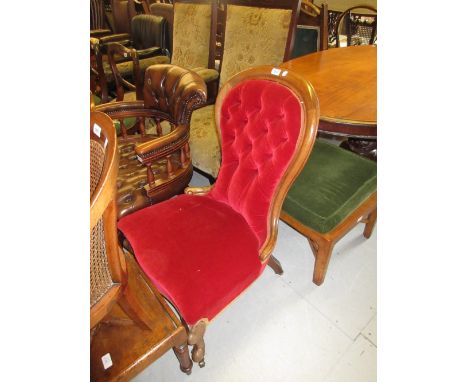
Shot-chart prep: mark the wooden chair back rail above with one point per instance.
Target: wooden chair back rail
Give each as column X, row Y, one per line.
column 324, row 31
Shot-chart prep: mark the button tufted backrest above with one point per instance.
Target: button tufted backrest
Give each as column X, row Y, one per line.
column 173, row 90
column 263, row 123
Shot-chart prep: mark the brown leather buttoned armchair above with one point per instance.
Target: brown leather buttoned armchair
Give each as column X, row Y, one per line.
column 155, row 163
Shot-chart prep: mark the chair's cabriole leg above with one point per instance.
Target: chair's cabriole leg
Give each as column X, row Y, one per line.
column 371, row 219
column 322, row 254
column 195, row 338
column 182, row 354
column 274, row 264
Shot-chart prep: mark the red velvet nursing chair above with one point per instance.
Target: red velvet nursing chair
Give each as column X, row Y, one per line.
column 204, row 248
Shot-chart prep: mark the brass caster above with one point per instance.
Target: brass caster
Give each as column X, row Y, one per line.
column 187, row 370
column 201, row 363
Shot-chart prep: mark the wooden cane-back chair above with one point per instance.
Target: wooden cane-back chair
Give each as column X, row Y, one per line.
column 118, row 290
column 107, row 266
column 204, row 248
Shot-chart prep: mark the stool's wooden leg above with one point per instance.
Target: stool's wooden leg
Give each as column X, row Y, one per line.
column 182, row 354
column 274, row 264
column 196, row 339
column 322, row 254
column 371, row 219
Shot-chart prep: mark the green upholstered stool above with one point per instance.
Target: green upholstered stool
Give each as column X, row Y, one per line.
column 336, row 190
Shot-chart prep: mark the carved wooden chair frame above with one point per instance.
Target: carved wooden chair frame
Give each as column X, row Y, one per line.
column 310, row 116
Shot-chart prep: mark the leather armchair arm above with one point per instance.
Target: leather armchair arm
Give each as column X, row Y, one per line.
column 99, row 33
column 114, row 38
column 160, row 147
column 123, row 109
column 151, row 52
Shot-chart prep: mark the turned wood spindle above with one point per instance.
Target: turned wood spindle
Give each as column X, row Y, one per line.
column 186, row 149
column 141, row 126
column 123, row 129
column 170, row 169
column 149, row 173
column 183, row 158
column 158, row 128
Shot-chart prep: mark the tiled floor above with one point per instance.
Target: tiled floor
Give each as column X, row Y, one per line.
column 285, row 328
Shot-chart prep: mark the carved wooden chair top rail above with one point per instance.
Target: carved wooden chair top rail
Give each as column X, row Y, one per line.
column 202, row 249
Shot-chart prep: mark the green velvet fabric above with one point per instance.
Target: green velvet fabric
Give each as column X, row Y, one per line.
column 333, row 183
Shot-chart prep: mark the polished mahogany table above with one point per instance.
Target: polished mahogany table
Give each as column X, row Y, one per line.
column 345, row 80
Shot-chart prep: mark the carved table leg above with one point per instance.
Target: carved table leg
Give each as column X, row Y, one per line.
column 364, row 147
column 182, row 354
column 195, row 338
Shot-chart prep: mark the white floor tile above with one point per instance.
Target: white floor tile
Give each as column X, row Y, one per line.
column 348, row 296
column 267, row 334
column 359, row 364
column 198, row 180
column 285, row 328
column 370, row 331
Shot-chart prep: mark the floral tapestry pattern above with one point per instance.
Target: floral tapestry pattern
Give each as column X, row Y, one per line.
column 192, row 25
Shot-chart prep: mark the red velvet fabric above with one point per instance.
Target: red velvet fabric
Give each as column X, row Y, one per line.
column 202, row 251
column 198, row 252
column 260, row 126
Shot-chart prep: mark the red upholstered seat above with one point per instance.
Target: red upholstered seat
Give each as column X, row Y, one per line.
column 201, row 252
column 198, row 252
